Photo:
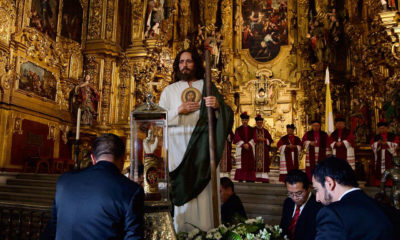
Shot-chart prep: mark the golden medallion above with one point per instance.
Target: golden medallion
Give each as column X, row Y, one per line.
column 191, row 94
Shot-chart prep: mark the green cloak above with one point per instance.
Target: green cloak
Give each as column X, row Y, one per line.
column 193, row 174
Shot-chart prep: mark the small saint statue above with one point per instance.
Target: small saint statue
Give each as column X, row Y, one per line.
column 87, row 97
column 394, row 175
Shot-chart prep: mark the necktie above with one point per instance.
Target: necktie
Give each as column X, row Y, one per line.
column 293, row 222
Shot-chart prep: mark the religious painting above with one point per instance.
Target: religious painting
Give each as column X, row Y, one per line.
column 264, row 28
column 191, row 95
column 37, row 80
column 44, row 16
column 71, row 23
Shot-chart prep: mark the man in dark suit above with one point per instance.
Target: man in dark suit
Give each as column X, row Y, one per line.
column 300, row 208
column 232, row 211
column 349, row 213
column 98, row 202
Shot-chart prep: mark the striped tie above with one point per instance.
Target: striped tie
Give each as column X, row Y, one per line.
column 293, row 222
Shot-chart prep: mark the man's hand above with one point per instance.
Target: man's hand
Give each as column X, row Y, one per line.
column 246, row 146
column 338, row 144
column 188, row 107
column 291, row 146
column 313, row 143
column 211, row 101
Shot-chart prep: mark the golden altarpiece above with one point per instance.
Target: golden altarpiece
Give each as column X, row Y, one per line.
column 268, row 57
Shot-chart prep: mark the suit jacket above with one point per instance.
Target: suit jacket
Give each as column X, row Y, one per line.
column 305, row 226
column 96, row 203
column 356, row 216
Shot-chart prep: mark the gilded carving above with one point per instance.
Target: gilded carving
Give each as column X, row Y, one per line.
column 158, row 225
column 64, row 129
column 142, row 76
column 52, row 131
column 95, row 19
column 137, row 15
column 110, row 19
column 18, row 125
column 41, row 47
column 184, row 16
column 92, row 67
column 71, row 56
column 106, row 91
column 63, row 93
column 123, row 89
column 7, row 18
column 210, row 12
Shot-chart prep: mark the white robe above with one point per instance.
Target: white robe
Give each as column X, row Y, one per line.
column 198, row 211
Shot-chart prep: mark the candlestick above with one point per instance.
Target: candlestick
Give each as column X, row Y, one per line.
column 78, row 123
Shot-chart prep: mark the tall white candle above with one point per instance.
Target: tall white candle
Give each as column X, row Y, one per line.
column 78, row 123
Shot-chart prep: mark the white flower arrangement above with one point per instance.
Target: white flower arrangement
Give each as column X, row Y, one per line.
column 251, row 229
column 193, row 233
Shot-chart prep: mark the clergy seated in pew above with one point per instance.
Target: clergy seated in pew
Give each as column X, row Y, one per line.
column 232, row 210
column 300, row 207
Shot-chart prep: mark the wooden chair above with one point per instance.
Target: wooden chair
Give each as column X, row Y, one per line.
column 32, row 157
column 43, row 161
column 57, row 165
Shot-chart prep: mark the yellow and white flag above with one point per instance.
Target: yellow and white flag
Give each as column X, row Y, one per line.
column 328, row 105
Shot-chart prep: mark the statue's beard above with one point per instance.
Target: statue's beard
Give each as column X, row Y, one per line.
column 185, row 75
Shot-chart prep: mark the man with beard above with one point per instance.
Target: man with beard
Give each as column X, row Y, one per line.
column 188, row 143
column 342, row 142
column 348, row 213
column 316, row 143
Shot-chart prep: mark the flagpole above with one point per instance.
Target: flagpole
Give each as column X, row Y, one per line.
column 328, row 105
column 211, row 138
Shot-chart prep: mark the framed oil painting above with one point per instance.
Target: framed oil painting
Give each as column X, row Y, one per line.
column 38, row 81
column 264, row 28
column 71, row 24
column 44, row 16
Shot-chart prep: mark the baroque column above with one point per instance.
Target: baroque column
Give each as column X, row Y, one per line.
column 101, row 52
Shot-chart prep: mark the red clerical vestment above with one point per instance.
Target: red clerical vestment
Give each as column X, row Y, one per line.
column 263, row 145
column 383, row 155
column 225, row 165
column 289, row 159
column 346, row 149
column 245, row 157
column 314, row 154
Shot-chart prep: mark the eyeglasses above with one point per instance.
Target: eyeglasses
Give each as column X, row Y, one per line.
column 298, row 194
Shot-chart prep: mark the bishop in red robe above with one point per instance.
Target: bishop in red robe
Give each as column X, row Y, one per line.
column 316, row 144
column 263, row 146
column 342, row 142
column 384, row 146
column 289, row 147
column 245, row 150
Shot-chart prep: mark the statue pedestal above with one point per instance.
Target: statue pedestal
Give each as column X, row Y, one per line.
column 158, row 221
